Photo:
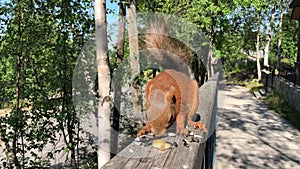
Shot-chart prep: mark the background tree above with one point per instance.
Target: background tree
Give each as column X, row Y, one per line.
column 51, row 37
column 117, row 85
column 134, row 60
column 104, row 105
column 121, row 31
column 269, row 34
column 282, row 6
column 40, row 42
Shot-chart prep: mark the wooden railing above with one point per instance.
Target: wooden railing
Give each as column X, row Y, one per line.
column 182, row 154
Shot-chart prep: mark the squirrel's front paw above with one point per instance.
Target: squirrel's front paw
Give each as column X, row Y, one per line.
column 182, row 131
column 199, row 125
column 144, row 130
column 140, row 133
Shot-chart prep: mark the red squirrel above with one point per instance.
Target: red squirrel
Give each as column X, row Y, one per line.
column 171, row 96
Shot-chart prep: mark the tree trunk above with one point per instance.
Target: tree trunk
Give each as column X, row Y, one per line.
column 18, row 123
column 117, row 86
column 104, row 108
column 269, row 37
column 209, row 64
column 210, row 57
column 121, row 31
column 134, row 62
column 280, row 36
column 257, row 48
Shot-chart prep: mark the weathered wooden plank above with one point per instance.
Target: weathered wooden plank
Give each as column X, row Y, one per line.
column 155, row 158
column 139, row 157
column 165, row 159
column 145, row 161
column 162, row 157
column 173, row 153
column 184, row 153
column 199, row 157
column 122, row 158
column 166, row 155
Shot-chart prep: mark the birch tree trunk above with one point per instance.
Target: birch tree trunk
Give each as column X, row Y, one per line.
column 210, row 56
column 257, row 45
column 134, row 61
column 18, row 125
column 269, row 37
column 283, row 7
column 104, row 107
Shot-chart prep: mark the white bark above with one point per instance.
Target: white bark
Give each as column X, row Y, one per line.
column 283, row 8
column 257, row 49
column 280, row 36
column 104, row 109
column 209, row 59
column 269, row 37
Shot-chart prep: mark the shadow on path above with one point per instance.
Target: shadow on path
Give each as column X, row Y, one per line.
column 249, row 135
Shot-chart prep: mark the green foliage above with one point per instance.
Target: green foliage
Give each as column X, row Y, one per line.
column 47, row 36
column 235, row 26
column 242, row 73
column 277, row 103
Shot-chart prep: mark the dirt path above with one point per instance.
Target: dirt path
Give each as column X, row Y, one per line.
column 249, row 135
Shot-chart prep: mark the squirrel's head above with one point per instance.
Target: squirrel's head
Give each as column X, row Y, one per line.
column 160, row 111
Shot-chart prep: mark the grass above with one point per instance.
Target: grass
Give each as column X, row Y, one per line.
column 278, row 104
column 243, row 76
column 274, row 101
column 252, row 84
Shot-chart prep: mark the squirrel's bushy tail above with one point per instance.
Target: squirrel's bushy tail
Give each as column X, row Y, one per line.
column 158, row 36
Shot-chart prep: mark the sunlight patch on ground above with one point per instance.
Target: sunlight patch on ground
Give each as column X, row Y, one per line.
column 5, row 111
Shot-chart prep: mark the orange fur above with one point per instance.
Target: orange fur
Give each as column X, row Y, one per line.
column 171, row 96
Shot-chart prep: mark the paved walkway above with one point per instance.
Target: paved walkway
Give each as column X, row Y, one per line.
column 249, row 135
